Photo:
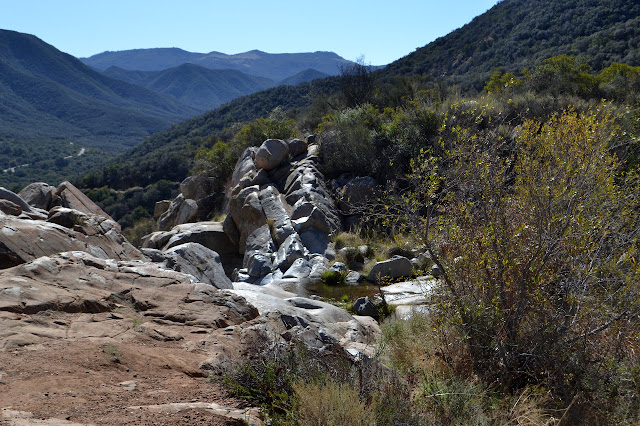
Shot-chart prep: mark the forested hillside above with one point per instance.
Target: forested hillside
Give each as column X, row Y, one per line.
column 53, row 106
column 519, row 34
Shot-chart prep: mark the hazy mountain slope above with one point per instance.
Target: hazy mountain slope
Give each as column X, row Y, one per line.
column 303, row 76
column 194, row 85
column 46, row 89
column 516, row 34
column 276, row 66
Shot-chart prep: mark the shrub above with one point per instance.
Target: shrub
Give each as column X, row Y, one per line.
column 537, row 244
column 333, row 278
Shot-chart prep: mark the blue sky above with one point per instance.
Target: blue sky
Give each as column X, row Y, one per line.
column 381, row 31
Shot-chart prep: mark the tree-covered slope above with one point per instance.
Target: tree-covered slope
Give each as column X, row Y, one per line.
column 43, row 88
column 518, row 34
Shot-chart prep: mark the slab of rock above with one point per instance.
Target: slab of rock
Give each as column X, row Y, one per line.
column 23, row 240
column 396, row 267
column 301, row 268
column 76, row 282
column 209, row 234
column 73, row 198
column 365, row 307
column 10, row 208
column 276, row 214
column 289, row 251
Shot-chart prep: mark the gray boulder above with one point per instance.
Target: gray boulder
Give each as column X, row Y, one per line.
column 271, row 154
column 276, row 214
column 396, row 267
column 297, row 147
column 365, row 307
column 301, row 268
column 38, row 194
column 5, row 194
column 71, row 197
column 202, row 263
column 289, row 251
column 10, row 208
column 354, row 278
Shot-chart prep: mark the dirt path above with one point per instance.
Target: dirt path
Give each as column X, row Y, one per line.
column 103, row 383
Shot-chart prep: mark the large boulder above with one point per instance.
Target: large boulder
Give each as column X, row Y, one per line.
column 38, row 194
column 71, row 197
column 180, row 211
column 396, row 267
column 76, row 282
column 202, row 263
column 272, row 153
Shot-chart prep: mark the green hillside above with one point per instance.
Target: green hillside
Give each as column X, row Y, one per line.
column 52, row 104
column 519, row 34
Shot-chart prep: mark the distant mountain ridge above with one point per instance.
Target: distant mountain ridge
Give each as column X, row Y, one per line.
column 199, row 87
column 276, row 66
column 47, row 93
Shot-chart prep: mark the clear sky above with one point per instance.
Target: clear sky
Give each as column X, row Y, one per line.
column 381, row 31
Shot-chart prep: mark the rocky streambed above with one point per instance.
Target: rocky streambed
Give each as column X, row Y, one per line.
column 102, row 324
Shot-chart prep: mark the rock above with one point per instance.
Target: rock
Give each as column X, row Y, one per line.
column 71, row 197
column 197, row 187
column 244, row 166
column 328, row 323
column 271, row 154
column 67, row 217
column 5, row 194
column 319, row 264
column 339, row 267
column 436, row 271
column 365, row 307
column 354, row 278
column 318, row 243
column 209, row 234
column 188, row 212
column 168, row 218
column 246, row 211
column 395, row 267
column 76, row 282
column 300, row 268
column 38, row 194
column 276, row 215
column 258, row 264
column 10, row 208
column 297, row 147
column 355, row 193
column 203, row 263
column 23, row 240
column 160, row 208
column 289, row 251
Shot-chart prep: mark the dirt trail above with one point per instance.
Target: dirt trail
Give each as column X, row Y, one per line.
column 101, row 382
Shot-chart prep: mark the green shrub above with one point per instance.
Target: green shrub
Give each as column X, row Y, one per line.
column 333, row 278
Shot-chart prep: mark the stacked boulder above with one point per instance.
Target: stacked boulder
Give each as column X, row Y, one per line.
column 196, row 200
column 280, row 214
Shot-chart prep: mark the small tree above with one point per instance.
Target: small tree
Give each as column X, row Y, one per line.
column 356, row 83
